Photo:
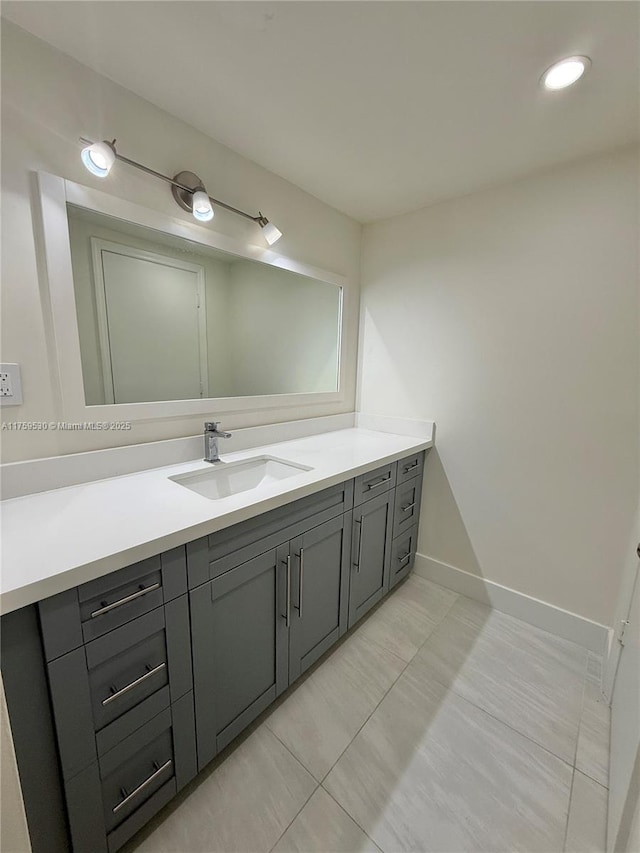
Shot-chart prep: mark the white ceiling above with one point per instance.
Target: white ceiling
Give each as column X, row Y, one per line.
column 377, row 108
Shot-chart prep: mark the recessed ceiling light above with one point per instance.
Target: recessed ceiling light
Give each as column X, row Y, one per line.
column 565, row 73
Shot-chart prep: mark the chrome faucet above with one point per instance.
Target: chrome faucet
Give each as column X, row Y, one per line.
column 211, row 436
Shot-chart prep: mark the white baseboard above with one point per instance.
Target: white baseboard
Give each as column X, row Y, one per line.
column 548, row 617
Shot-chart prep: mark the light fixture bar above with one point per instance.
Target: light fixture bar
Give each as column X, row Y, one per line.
column 260, row 219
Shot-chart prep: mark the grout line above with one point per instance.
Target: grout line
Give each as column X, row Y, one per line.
column 291, row 753
column 395, row 654
column 566, row 826
column 297, row 758
column 582, row 710
column 591, row 779
column 582, row 704
column 311, row 675
column 301, row 807
column 400, row 674
column 546, row 749
column 366, row 640
column 395, row 680
column 450, row 688
column 319, row 782
column 435, row 623
column 294, row 818
column 351, row 818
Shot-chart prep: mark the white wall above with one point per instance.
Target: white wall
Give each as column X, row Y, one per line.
column 48, row 102
column 510, row 317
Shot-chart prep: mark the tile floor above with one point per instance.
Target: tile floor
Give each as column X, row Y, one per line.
column 436, row 725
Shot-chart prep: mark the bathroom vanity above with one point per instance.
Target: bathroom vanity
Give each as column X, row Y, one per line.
column 139, row 677
column 152, row 613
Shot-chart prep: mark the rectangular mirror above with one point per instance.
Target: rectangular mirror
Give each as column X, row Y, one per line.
column 154, row 316
column 165, row 318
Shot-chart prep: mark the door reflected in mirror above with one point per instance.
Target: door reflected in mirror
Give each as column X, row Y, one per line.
column 164, row 318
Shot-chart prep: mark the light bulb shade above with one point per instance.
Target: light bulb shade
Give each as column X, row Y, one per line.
column 202, row 209
column 565, row 73
column 98, row 158
column 270, row 232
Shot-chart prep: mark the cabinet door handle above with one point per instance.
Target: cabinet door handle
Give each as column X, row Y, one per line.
column 356, row 562
column 287, row 614
column 133, row 684
column 142, row 786
column 108, row 607
column 411, row 467
column 379, row 483
column 405, row 557
column 408, row 507
column 300, row 557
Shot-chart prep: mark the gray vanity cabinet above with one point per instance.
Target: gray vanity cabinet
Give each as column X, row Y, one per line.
column 118, row 667
column 256, row 627
column 371, row 554
column 239, row 642
column 141, row 677
column 319, row 596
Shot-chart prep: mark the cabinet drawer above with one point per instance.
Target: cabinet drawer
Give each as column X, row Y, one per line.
column 407, row 507
column 374, row 483
column 127, row 666
column 80, row 615
column 403, row 553
column 213, row 555
column 114, row 797
column 135, row 769
column 410, row 466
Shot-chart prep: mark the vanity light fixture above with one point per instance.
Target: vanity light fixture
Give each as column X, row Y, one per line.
column 186, row 187
column 269, row 231
column 565, row 73
column 189, row 192
column 99, row 157
column 202, row 209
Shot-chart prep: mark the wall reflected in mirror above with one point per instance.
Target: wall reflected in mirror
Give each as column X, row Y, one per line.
column 164, row 318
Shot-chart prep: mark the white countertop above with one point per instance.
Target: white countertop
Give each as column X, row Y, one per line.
column 55, row 540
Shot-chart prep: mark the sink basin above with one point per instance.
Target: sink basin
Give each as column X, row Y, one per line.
column 224, row 479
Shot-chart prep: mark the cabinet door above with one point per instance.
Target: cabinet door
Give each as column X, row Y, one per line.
column 239, row 633
column 370, row 555
column 319, row 592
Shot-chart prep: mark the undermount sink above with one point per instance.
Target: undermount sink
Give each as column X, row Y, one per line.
column 224, row 479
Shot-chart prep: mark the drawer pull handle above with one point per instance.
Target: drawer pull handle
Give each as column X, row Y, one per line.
column 287, row 613
column 408, row 507
column 405, row 557
column 379, row 483
column 300, row 557
column 408, row 468
column 356, row 562
column 107, row 608
column 142, row 786
column 133, row 684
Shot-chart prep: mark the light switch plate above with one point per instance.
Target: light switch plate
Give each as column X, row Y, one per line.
column 10, row 385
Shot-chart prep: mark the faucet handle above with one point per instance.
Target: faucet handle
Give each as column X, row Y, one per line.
column 211, row 426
